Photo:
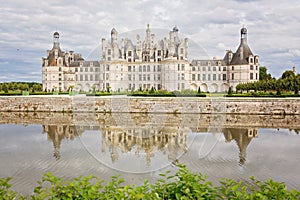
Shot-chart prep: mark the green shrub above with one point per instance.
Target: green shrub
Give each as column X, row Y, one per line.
column 184, row 184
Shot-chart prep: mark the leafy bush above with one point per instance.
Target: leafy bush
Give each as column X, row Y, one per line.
column 184, row 184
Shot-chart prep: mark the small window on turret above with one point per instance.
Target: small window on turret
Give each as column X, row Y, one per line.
column 181, row 50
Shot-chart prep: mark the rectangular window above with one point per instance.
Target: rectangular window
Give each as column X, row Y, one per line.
column 256, row 76
column 133, row 68
column 203, row 77
column 81, row 70
column 133, row 77
column 193, row 68
column 232, row 67
column 182, row 67
column 181, row 50
column 86, row 77
column 251, row 76
column 224, row 69
column 76, row 69
column 182, row 76
column 214, row 69
column 129, row 86
column 256, row 67
column 208, row 77
column 154, row 68
column 109, row 51
column 203, row 69
column 129, row 68
column 97, row 69
column 224, row 77
column 158, row 77
column 158, row 68
column 199, row 77
column 144, row 77
column 214, row 77
column 107, row 76
column 96, row 77
column 129, row 77
column 193, row 77
column 91, row 77
column 144, row 68
column 140, row 77
column 208, row 68
column 178, row 67
column 86, row 69
column 159, row 53
column 148, row 77
column 129, row 53
column 232, row 76
column 107, row 67
column 140, row 68
column 148, row 68
column 251, row 67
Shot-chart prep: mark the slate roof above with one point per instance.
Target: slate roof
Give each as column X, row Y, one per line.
column 240, row 57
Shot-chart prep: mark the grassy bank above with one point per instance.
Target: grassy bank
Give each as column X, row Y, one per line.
column 184, row 184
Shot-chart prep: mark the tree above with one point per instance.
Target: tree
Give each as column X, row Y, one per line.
column 229, row 91
column 288, row 74
column 263, row 74
column 199, row 90
column 5, row 88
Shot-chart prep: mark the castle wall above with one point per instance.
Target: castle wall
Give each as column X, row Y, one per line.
column 80, row 103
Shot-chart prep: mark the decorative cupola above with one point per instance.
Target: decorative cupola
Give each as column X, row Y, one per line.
column 56, row 40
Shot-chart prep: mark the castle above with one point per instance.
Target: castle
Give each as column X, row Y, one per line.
column 161, row 64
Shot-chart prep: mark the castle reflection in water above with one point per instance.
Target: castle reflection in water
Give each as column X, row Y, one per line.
column 140, row 133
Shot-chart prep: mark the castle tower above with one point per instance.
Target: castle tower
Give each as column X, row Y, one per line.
column 114, row 43
column 176, row 38
column 114, row 36
column 148, row 38
column 243, row 52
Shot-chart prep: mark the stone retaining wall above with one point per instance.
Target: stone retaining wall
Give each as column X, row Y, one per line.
column 261, row 106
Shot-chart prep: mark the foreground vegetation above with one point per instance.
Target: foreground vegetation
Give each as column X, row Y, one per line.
column 286, row 85
column 184, row 184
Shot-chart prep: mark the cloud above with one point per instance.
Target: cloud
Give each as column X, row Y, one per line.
column 212, row 25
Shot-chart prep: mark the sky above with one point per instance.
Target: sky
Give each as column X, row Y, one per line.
column 27, row 28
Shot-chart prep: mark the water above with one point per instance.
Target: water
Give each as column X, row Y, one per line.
column 140, row 146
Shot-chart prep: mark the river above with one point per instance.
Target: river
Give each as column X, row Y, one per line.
column 140, row 146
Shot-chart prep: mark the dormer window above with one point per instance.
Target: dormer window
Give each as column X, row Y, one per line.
column 129, row 53
column 159, row 53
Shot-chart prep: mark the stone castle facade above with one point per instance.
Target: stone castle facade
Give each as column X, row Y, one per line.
column 161, row 64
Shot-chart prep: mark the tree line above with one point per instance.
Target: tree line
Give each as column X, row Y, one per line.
column 7, row 87
column 288, row 82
